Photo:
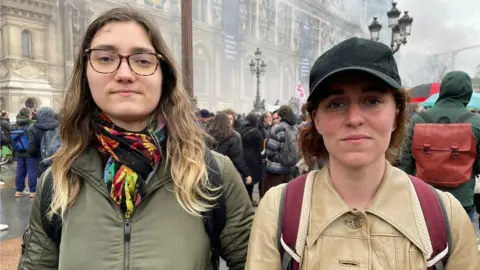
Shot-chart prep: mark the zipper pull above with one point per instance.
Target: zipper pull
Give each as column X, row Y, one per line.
column 127, row 229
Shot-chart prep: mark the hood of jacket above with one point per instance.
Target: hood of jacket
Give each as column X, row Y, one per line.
column 46, row 119
column 22, row 121
column 290, row 119
column 455, row 89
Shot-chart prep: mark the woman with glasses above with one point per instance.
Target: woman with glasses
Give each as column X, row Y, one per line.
column 134, row 185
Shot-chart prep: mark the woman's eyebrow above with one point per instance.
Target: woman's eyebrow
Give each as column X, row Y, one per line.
column 114, row 48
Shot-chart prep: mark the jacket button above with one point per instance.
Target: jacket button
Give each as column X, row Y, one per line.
column 353, row 223
column 357, row 223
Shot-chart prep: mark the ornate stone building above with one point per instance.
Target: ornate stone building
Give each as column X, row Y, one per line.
column 39, row 39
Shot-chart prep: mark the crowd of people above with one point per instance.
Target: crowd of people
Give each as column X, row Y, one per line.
column 141, row 180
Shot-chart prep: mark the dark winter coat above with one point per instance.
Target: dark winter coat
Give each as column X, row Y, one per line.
column 6, row 127
column 45, row 121
column 265, row 130
column 231, row 148
column 252, row 140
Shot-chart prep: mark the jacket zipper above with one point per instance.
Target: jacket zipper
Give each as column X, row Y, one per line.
column 127, row 224
column 127, row 228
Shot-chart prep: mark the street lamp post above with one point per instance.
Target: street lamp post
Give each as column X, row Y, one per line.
column 258, row 69
column 187, row 49
column 401, row 27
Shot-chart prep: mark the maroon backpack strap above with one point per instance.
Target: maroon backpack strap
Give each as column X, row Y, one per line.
column 437, row 223
column 289, row 219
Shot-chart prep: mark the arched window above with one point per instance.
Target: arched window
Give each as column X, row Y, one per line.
column 26, row 43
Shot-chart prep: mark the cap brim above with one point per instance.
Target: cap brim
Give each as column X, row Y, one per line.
column 388, row 80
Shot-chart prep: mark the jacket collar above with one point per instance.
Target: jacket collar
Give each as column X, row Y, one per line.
column 90, row 165
column 394, row 191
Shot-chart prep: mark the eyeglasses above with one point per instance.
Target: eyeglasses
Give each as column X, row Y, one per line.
column 106, row 61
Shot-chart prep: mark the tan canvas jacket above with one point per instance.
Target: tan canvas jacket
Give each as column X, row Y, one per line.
column 391, row 233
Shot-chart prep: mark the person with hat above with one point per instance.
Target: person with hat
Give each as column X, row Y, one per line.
column 204, row 116
column 358, row 211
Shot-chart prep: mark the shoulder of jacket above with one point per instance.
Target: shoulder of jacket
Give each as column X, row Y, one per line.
column 220, row 159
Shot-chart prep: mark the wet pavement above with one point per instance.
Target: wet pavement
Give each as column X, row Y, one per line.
column 16, row 212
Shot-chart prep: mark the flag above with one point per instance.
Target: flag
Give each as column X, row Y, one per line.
column 299, row 93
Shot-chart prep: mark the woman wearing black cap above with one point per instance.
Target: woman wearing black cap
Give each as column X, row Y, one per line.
column 359, row 212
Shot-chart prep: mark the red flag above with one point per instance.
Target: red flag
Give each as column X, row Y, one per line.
column 300, row 93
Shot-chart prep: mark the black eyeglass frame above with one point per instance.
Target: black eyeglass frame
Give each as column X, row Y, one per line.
column 88, row 52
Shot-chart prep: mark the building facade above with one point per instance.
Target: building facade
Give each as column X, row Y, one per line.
column 39, row 40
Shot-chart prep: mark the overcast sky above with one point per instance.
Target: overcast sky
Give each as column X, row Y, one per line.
column 440, row 26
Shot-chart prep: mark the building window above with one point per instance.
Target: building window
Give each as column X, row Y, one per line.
column 26, row 43
column 285, row 20
column 200, row 10
column 268, row 19
column 252, row 17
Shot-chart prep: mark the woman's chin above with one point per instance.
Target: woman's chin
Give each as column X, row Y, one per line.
column 356, row 160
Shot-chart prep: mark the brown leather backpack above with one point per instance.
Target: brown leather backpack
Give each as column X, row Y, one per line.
column 444, row 153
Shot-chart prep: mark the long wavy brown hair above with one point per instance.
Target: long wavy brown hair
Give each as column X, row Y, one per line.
column 185, row 144
column 312, row 145
column 220, row 128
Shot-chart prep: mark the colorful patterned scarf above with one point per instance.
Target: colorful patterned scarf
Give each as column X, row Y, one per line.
column 132, row 157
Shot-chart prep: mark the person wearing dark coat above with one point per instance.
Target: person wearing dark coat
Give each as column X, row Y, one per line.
column 266, row 124
column 45, row 121
column 26, row 162
column 252, row 141
column 5, row 125
column 228, row 144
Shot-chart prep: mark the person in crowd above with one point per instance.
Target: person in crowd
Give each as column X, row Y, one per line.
column 226, row 143
column 252, row 141
column 455, row 92
column 45, row 122
column 266, row 124
column 361, row 213
column 275, row 118
column 34, row 114
column 5, row 123
column 26, row 162
column 204, row 116
column 4, row 141
column 277, row 172
column 133, row 171
column 233, row 120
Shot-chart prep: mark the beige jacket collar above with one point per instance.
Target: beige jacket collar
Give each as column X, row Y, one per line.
column 395, row 202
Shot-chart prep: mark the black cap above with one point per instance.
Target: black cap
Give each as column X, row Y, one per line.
column 204, row 113
column 356, row 54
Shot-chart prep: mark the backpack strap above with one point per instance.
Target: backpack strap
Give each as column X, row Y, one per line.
column 437, row 223
column 215, row 219
column 425, row 117
column 53, row 228
column 465, row 117
column 293, row 220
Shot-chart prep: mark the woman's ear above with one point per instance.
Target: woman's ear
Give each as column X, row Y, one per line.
column 397, row 111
